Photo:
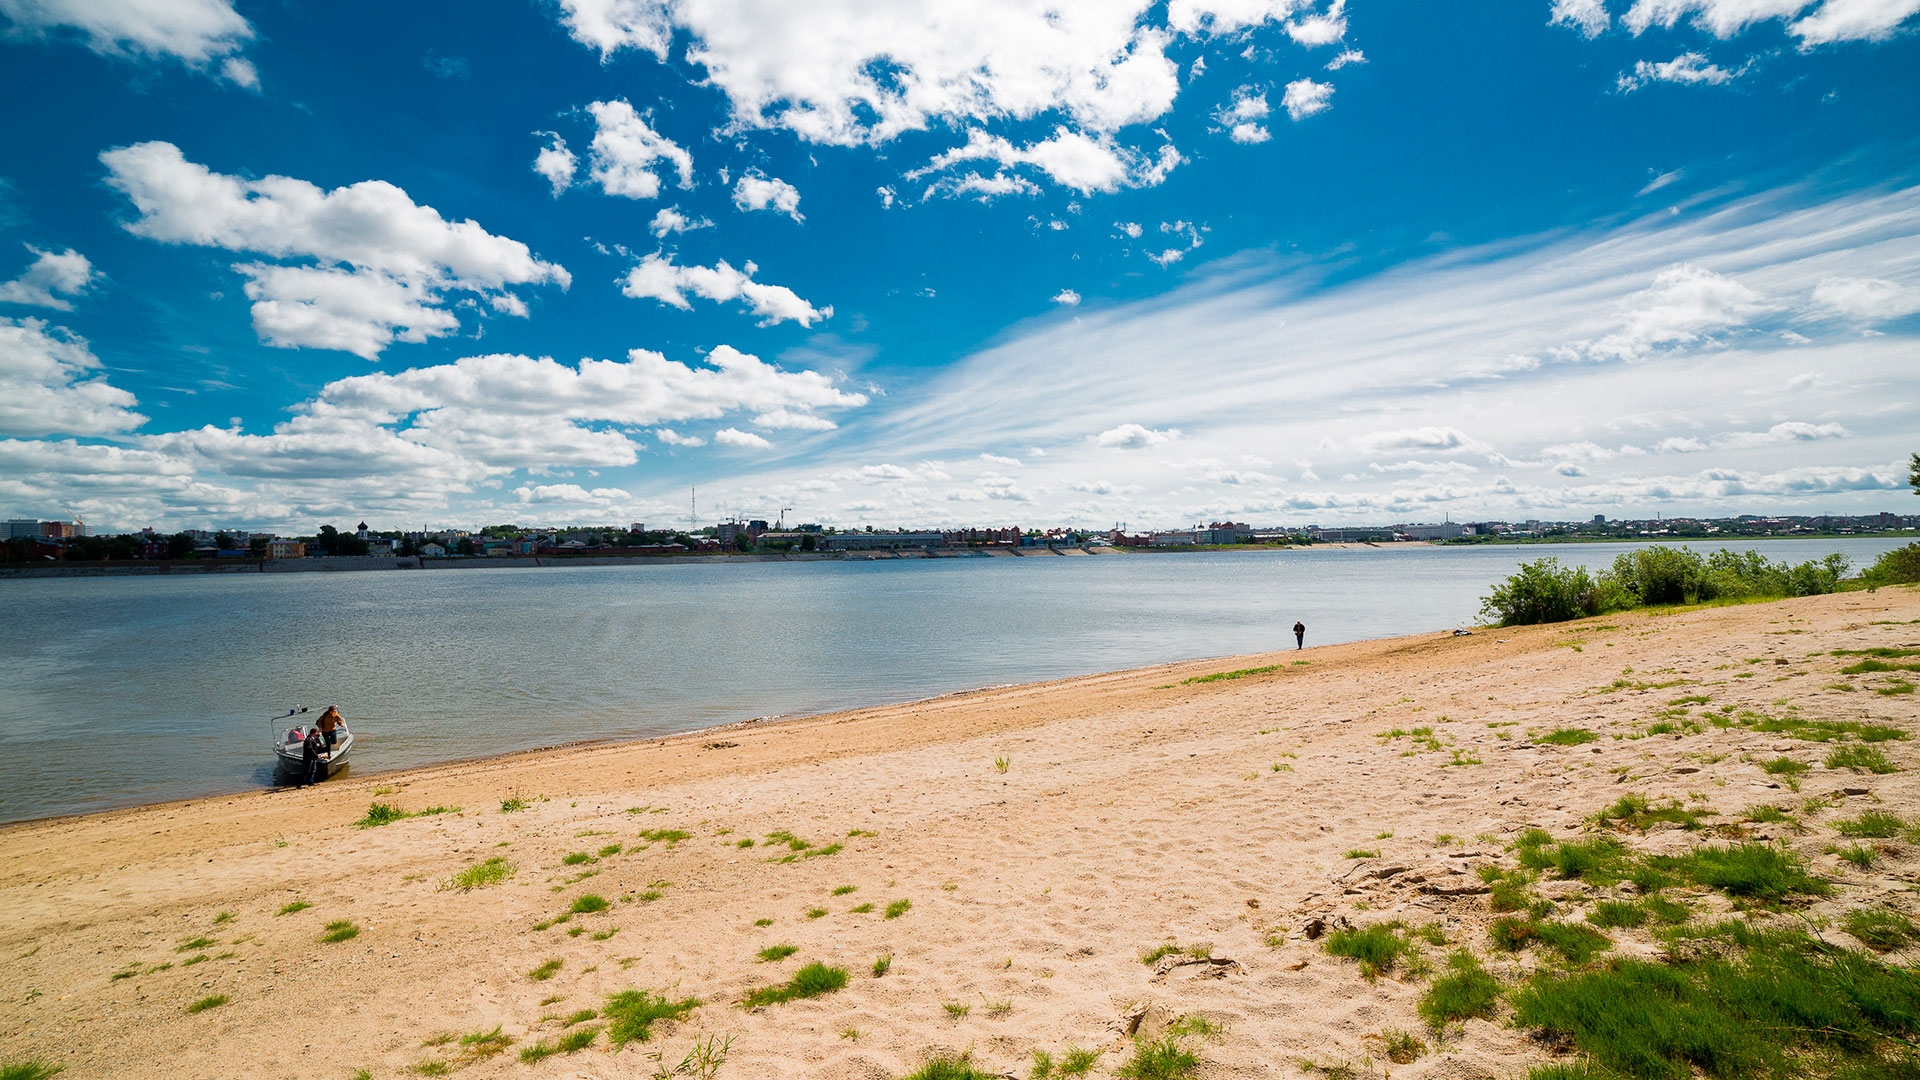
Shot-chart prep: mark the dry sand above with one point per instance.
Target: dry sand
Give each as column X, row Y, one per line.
column 1133, row 810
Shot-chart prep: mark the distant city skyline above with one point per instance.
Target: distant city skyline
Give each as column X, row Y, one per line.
column 274, row 266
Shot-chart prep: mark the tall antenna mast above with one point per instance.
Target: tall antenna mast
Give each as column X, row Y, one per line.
column 693, row 509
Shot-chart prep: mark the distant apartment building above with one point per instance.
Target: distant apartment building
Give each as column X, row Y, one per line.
column 1444, row 531
column 880, row 541
column 286, row 549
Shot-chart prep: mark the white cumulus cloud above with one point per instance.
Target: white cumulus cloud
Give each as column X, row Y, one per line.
column 1587, row 16
column 1867, row 298
column 736, row 437
column 1070, row 158
column 1687, row 69
column 51, row 281
column 556, row 163
column 49, row 385
column 658, row 277
column 628, row 154
column 670, row 220
column 1814, row 22
column 1242, row 117
column 195, row 32
column 382, row 263
column 1067, row 298
column 1134, row 437
column 756, row 190
column 1304, row 97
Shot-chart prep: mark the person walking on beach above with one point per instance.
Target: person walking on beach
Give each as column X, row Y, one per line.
column 1299, row 635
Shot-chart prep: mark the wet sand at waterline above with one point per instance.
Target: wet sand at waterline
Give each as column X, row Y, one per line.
column 1045, row 835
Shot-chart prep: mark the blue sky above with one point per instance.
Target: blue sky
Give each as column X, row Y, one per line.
column 273, row 265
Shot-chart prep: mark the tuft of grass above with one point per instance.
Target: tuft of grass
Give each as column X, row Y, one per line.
column 579, row 1017
column 763, row 922
column 482, row 874
column 382, row 814
column 1159, row 1059
column 1616, row 913
column 812, row 980
column 860, row 909
column 485, row 1044
column 1860, row 759
column 777, row 952
column 192, row 944
column 1223, row 676
column 339, row 930
column 1859, row 855
column 513, row 805
column 950, row 1068
column 1198, row 950
column 1872, row 825
column 817, row 913
column 882, row 964
column 224, row 917
column 630, row 1014
column 211, row 1001
column 668, row 837
column 956, row 1009
column 845, row 889
column 30, row 1070
column 587, row 904
column 898, row 908
column 546, row 971
column 578, row 1039
column 1001, row 764
column 1752, row 871
column 297, row 905
column 1403, row 1047
column 431, row 1067
column 1881, row 931
column 1361, row 853
column 1377, row 947
column 1638, row 812
column 1566, row 736
column 1764, row 814
column 1467, row 989
column 577, row 858
column 609, row 851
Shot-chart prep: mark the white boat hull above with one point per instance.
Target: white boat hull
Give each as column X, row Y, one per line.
column 291, row 754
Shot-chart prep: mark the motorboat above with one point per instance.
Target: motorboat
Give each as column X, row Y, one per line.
column 289, row 745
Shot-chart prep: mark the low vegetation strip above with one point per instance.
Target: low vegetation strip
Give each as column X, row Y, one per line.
column 1544, row 591
column 1223, row 676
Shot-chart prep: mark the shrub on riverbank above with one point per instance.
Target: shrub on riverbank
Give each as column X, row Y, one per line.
column 1897, row 567
column 1544, row 591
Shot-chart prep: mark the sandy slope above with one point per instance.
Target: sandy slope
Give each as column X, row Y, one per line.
column 1135, row 810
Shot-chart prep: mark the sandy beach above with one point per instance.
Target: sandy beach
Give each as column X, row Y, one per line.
column 1014, row 851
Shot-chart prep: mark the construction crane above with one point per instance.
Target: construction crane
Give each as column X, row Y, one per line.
column 781, row 524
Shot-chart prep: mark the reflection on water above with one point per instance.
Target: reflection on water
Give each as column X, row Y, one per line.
column 132, row 690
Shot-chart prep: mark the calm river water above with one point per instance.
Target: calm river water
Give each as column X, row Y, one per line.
column 117, row 691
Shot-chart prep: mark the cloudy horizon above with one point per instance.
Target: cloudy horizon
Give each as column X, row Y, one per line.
column 1284, row 261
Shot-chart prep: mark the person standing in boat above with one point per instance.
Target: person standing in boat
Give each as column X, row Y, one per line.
column 312, row 752
column 330, row 725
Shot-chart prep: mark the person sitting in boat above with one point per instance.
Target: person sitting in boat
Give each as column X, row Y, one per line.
column 330, row 725
column 313, row 752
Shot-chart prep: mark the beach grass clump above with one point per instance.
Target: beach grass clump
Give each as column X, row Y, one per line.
column 882, row 964
column 668, row 837
column 1225, row 676
column 339, row 930
column 482, row 874
column 1860, row 759
column 812, row 980
column 1617, row 914
column 546, row 970
column 1159, row 1059
column 297, row 905
column 1860, row 855
column 609, row 851
column 30, row 1070
column 485, row 1044
column 1402, row 1047
column 1467, row 989
column 1753, row 871
column 1880, row 930
column 1872, row 825
column 777, row 952
column 956, row 1009
column 842, row 890
column 1640, row 812
column 193, row 943
column 1567, row 736
column 587, row 904
column 1377, row 947
column 630, row 1014
column 1199, row 950
column 1073, row 1061
column 513, row 805
column 1361, row 853
column 382, row 814
column 577, row 858
column 211, row 1001
column 898, row 908
column 1601, row 860
column 945, row 1067
column 1781, row 1005
column 1767, row 814
column 1002, row 764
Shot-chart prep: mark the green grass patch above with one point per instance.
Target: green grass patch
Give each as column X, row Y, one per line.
column 1755, row 871
column 297, row 905
column 482, row 874
column 1074, row 1061
column 587, row 904
column 339, row 930
column 1868, row 666
column 546, row 970
column 1199, row 951
column 1222, row 676
column 1781, row 1006
column 1880, row 930
column 1467, row 989
column 387, row 813
column 882, row 964
column 1361, row 853
column 1639, row 812
column 1567, row 736
column 777, row 952
column 1784, row 766
column 845, row 889
column 1377, row 947
column 211, row 1001
column 944, row 1067
column 513, row 805
column 668, row 837
column 577, row 858
column 1860, row 759
column 812, row 980
column 630, row 1014
column 191, row 944
column 609, row 851
column 1872, row 825
column 30, row 1070
column 898, row 908
column 1617, row 913
column 1764, row 814
column 1896, row 688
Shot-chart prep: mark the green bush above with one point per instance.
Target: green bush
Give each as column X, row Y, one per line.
column 1465, row 990
column 1543, row 591
column 630, row 1014
column 1377, row 947
column 1897, row 567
